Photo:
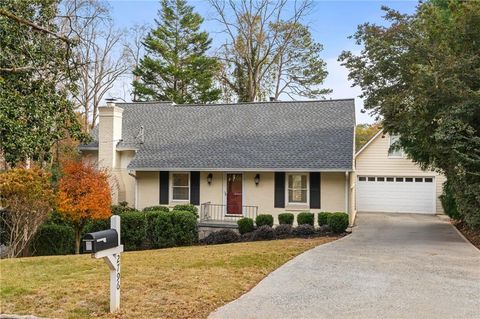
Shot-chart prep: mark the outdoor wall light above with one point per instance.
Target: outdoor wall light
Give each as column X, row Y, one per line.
column 209, row 178
column 257, row 179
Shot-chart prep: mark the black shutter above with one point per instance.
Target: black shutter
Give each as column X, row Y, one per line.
column 164, row 188
column 195, row 188
column 314, row 189
column 279, row 190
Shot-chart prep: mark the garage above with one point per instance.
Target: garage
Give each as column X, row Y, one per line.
column 396, row 194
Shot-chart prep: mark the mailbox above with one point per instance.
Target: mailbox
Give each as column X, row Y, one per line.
column 100, row 240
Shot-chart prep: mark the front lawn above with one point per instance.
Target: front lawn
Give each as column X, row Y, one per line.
column 185, row 282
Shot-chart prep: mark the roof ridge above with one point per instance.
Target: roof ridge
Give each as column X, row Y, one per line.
column 234, row 104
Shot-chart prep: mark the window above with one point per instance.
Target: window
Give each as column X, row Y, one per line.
column 396, row 152
column 399, row 179
column 408, row 179
column 180, row 186
column 362, row 178
column 418, row 179
column 380, row 179
column 371, row 179
column 428, row 180
column 389, row 179
column 297, row 188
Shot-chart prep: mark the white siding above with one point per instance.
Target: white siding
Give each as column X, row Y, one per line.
column 374, row 161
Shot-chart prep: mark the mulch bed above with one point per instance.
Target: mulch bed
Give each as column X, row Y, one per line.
column 471, row 235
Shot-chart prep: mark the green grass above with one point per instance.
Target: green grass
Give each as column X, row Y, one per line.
column 185, row 282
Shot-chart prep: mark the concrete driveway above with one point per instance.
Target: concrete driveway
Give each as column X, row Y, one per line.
column 392, row 266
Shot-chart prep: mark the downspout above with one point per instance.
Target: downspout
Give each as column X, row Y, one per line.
column 136, row 188
column 347, row 189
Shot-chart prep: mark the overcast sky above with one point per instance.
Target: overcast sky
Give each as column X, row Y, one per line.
column 331, row 22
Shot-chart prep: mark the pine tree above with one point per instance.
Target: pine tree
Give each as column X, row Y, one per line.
column 176, row 67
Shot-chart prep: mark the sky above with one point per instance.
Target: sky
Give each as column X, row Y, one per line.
column 331, row 23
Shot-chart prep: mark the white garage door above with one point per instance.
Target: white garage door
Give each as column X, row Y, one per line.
column 402, row 194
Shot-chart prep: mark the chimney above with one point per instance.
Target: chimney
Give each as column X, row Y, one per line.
column 110, row 102
column 109, row 134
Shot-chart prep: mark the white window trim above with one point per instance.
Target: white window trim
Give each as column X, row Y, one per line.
column 391, row 155
column 171, row 188
column 287, row 201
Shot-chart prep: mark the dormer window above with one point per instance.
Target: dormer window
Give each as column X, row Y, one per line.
column 396, row 153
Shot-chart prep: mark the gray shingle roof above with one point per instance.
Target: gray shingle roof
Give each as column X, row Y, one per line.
column 310, row 135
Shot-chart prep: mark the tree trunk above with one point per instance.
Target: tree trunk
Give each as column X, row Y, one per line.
column 78, row 232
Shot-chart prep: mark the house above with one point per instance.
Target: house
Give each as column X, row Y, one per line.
column 230, row 160
column 387, row 181
column 234, row 160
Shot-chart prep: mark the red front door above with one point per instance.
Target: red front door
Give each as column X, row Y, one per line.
column 234, row 194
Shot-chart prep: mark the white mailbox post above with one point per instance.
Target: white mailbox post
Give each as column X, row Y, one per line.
column 94, row 242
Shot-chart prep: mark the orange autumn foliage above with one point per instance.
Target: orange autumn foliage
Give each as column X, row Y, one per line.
column 84, row 192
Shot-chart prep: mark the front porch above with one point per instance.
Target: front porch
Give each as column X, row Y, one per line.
column 214, row 217
column 220, row 214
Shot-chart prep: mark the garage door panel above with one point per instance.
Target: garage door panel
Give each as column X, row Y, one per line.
column 414, row 196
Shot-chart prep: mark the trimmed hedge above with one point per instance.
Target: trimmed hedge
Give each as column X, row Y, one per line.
column 283, row 231
column 245, row 225
column 264, row 232
column 264, row 219
column 338, row 222
column 175, row 228
column 187, row 208
column 139, row 230
column 133, row 230
column 286, row 219
column 323, row 218
column 305, row 218
column 52, row 239
column 184, row 227
column 304, row 230
column 119, row 209
column 224, row 236
column 156, row 209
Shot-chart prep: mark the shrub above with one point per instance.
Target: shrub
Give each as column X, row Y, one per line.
column 264, row 232
column 448, row 202
column 305, row 218
column 94, row 225
column 286, row 219
column 323, row 218
column 283, row 230
column 264, row 219
column 156, row 209
column 175, row 228
column 338, row 222
column 119, row 209
column 223, row 236
column 187, row 208
column 160, row 231
column 245, row 225
column 52, row 239
column 133, row 230
column 184, row 227
column 28, row 198
column 304, row 230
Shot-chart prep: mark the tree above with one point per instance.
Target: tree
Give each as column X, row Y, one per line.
column 84, row 194
column 297, row 69
column 135, row 50
column 421, row 75
column 35, row 80
column 364, row 133
column 266, row 43
column 27, row 198
column 176, row 67
column 101, row 55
